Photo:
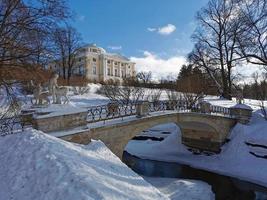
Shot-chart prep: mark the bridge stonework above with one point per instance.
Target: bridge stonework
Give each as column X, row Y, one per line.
column 206, row 132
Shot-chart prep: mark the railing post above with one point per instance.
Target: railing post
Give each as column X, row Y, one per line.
column 142, row 109
column 241, row 112
column 205, row 107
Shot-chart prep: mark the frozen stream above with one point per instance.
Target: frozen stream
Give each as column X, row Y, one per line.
column 224, row 187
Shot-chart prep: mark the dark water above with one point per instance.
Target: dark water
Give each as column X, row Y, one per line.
column 224, row 187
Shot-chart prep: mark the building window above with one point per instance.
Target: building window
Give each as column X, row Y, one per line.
column 94, row 69
column 109, row 61
column 122, row 73
column 116, row 72
column 109, row 71
column 80, row 59
column 129, row 66
column 81, row 70
column 94, row 50
column 94, row 59
column 116, row 63
column 122, row 64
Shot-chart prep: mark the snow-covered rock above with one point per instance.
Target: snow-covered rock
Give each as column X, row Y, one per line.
column 38, row 166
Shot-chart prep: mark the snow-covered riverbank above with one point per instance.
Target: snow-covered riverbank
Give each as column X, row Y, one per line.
column 235, row 159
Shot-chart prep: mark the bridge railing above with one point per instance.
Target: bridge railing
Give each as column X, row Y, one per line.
column 119, row 110
column 220, row 110
column 111, row 111
column 10, row 125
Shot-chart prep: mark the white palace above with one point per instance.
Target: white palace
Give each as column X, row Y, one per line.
column 98, row 65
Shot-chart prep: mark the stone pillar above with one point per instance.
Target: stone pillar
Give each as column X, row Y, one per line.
column 205, row 107
column 241, row 112
column 142, row 109
column 26, row 117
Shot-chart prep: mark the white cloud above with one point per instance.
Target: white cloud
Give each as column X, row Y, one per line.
column 151, row 29
column 115, row 47
column 164, row 30
column 158, row 66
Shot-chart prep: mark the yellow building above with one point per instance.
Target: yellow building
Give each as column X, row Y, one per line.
column 98, row 65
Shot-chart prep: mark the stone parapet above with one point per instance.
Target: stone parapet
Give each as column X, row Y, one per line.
column 241, row 112
column 61, row 122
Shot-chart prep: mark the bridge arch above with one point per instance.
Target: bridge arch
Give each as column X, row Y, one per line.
column 198, row 130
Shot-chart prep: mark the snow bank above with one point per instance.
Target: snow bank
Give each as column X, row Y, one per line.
column 182, row 189
column 235, row 159
column 94, row 87
column 38, row 166
column 242, row 106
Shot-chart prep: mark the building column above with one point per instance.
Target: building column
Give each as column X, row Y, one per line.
column 119, row 69
column 104, row 68
column 112, row 68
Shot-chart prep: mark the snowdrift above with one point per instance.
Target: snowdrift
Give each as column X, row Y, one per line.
column 38, row 166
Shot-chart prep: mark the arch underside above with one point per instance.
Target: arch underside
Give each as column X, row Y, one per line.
column 199, row 135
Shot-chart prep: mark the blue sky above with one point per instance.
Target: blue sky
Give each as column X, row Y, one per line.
column 153, row 33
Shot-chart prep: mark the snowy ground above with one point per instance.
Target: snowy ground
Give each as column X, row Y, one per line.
column 235, row 159
column 236, row 153
column 179, row 189
column 38, row 166
column 35, row 166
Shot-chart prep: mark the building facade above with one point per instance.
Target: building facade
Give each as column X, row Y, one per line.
column 97, row 65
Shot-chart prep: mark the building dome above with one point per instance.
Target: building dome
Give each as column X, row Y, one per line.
column 94, row 46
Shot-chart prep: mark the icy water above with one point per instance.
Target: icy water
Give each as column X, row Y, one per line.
column 224, row 187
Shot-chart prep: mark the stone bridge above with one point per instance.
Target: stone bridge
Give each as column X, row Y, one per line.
column 199, row 130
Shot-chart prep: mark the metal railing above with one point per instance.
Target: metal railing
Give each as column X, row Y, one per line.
column 119, row 110
column 10, row 125
column 110, row 111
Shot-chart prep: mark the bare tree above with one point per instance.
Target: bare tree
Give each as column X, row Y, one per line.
column 144, row 77
column 217, row 37
column 122, row 94
column 24, row 28
column 154, row 95
column 68, row 42
column 200, row 58
column 252, row 39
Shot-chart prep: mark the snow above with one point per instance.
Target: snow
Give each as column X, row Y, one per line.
column 177, row 189
column 242, row 106
column 89, row 99
column 53, row 110
column 234, row 160
column 254, row 104
column 38, row 166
